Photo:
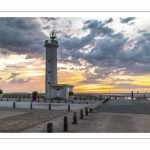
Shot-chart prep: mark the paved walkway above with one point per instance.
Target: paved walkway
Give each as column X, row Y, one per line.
column 23, row 119
column 116, row 116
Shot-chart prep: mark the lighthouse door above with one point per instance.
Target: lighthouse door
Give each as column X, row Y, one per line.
column 58, row 92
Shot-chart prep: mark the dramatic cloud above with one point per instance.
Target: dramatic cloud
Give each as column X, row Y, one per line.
column 109, row 20
column 20, row 81
column 140, row 31
column 21, row 35
column 132, row 23
column 13, row 80
column 113, row 54
column 130, row 86
column 126, row 20
column 97, row 28
column 50, row 18
column 102, row 50
column 13, row 76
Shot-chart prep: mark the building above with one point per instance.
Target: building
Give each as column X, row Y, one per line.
column 52, row 89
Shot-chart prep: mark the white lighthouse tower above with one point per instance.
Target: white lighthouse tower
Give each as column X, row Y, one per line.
column 52, row 89
column 51, row 63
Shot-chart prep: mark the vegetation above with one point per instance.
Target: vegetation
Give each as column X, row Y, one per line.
column 1, row 91
column 34, row 93
column 71, row 93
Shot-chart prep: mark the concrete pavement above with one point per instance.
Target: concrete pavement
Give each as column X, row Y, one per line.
column 116, row 116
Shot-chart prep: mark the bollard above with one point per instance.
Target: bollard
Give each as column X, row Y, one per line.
column 132, row 95
column 49, row 106
column 86, row 111
column 91, row 110
column 45, row 100
column 87, row 103
column 51, row 101
column 79, row 102
column 38, row 100
column 81, row 114
column 65, row 101
column 7, row 99
column 74, row 118
column 72, row 102
column 19, row 99
column 58, row 101
column 31, row 106
column 50, row 127
column 68, row 107
column 14, row 105
column 65, row 123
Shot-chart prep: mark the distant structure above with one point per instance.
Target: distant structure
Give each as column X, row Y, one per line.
column 52, row 89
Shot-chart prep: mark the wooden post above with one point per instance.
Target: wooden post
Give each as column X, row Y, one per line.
column 49, row 106
column 31, row 106
column 14, row 105
column 50, row 127
column 65, row 123
column 74, row 118
column 145, row 95
column 86, row 111
column 81, row 114
column 132, row 95
column 68, row 107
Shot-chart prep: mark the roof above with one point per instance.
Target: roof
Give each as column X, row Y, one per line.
column 65, row 85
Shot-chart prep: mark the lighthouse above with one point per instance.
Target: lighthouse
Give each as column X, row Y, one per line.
column 52, row 89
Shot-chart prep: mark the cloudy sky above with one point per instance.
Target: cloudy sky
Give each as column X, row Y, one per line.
column 110, row 54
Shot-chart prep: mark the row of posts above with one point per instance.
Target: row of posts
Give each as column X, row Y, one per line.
column 14, row 106
column 31, row 106
column 45, row 101
column 50, row 125
column 76, row 97
column 132, row 97
column 22, row 96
